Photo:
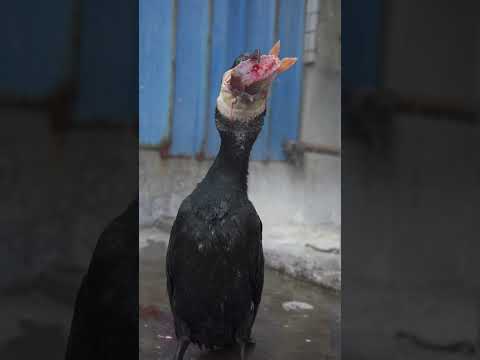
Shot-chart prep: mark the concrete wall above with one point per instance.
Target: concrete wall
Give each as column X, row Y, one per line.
column 280, row 192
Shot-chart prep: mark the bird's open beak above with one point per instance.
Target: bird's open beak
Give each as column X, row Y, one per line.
column 255, row 75
column 285, row 63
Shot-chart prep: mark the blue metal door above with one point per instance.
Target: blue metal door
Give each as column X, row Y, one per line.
column 187, row 45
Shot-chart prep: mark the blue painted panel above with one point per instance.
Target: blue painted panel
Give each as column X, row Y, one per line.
column 228, row 41
column 287, row 89
column 108, row 53
column 36, row 48
column 191, row 83
column 260, row 31
column 156, row 46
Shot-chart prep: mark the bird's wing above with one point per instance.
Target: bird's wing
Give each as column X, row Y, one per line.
column 169, row 261
column 256, row 275
column 173, row 245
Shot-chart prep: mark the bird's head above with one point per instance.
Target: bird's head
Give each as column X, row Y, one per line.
column 246, row 85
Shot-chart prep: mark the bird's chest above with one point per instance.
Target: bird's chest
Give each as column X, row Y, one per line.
column 219, row 226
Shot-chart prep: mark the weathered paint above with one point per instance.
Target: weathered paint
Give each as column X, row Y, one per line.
column 156, row 69
column 260, row 28
column 191, row 76
column 227, row 43
column 209, row 35
column 287, row 89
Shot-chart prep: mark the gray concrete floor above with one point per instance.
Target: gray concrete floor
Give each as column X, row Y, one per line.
column 309, row 334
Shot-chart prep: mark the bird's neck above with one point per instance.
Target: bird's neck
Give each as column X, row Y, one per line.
column 230, row 167
column 231, row 164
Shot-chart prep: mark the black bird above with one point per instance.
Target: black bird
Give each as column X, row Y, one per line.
column 105, row 320
column 215, row 257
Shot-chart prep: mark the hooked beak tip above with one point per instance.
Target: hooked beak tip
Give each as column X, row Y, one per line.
column 275, row 49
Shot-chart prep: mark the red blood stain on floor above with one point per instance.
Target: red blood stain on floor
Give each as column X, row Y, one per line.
column 147, row 312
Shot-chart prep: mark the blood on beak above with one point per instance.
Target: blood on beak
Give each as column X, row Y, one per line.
column 254, row 75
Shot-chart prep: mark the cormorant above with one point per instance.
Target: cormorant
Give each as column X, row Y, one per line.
column 215, row 259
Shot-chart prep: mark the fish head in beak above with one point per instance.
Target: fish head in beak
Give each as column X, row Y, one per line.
column 246, row 85
column 253, row 74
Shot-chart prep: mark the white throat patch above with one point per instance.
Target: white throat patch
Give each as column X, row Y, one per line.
column 236, row 107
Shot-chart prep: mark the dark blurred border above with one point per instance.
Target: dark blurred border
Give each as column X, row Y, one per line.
column 68, row 157
column 410, row 176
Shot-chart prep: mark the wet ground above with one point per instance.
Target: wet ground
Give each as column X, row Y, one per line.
column 279, row 334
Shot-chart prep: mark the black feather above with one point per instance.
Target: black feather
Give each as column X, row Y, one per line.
column 215, row 257
column 246, row 56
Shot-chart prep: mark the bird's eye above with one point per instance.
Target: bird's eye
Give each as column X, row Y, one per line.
column 241, row 58
column 256, row 55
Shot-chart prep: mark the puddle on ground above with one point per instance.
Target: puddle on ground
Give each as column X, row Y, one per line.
column 304, row 333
